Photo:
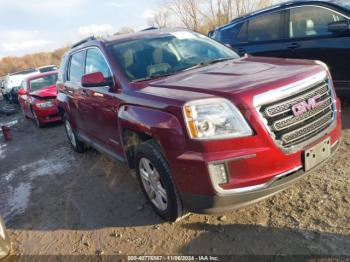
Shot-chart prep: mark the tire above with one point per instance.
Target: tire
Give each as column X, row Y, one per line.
column 73, row 139
column 166, row 201
column 24, row 114
column 36, row 119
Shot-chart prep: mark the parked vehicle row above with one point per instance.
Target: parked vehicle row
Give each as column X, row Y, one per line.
column 37, row 97
column 308, row 29
column 11, row 83
column 206, row 130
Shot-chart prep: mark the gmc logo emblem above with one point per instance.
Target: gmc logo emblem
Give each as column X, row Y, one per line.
column 303, row 107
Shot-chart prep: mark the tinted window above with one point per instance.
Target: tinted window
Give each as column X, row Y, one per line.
column 265, row 28
column 242, row 34
column 76, row 69
column 235, row 34
column 42, row 82
column 95, row 62
column 167, row 54
column 311, row 21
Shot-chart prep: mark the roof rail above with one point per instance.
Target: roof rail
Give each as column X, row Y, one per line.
column 149, row 28
column 85, row 40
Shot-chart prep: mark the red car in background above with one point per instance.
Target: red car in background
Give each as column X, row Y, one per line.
column 37, row 98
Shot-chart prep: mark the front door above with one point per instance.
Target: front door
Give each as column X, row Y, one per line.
column 101, row 105
column 73, row 89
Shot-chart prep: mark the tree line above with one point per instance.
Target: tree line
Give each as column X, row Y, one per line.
column 13, row 64
column 198, row 15
column 202, row 15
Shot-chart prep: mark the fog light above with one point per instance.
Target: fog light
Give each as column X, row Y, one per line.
column 218, row 173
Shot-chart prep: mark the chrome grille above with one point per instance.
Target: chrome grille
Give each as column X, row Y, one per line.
column 289, row 130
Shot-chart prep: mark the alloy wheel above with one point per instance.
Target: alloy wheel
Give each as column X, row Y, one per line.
column 152, row 184
column 70, row 134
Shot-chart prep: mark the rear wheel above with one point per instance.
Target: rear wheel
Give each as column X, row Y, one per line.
column 77, row 145
column 156, row 181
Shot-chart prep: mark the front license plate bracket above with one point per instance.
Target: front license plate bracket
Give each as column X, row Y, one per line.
column 317, row 154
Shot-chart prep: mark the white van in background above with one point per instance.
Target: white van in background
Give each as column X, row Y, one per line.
column 13, row 82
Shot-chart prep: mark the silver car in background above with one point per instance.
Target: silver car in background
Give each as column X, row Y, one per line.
column 5, row 244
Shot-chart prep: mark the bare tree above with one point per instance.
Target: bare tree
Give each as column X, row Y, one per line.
column 205, row 15
column 216, row 12
column 187, row 11
column 160, row 17
column 246, row 6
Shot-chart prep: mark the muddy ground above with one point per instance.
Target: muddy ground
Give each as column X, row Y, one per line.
column 58, row 202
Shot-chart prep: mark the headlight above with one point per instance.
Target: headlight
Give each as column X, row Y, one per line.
column 215, row 118
column 45, row 105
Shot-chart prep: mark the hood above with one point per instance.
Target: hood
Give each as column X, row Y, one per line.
column 247, row 76
column 46, row 92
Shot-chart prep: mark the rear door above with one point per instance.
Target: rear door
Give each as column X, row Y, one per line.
column 100, row 105
column 262, row 35
column 309, row 38
column 73, row 89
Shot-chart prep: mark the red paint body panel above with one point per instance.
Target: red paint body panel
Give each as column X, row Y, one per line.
column 29, row 101
column 155, row 108
column 46, row 92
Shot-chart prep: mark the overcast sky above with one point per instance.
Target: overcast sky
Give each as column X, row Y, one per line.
column 29, row 26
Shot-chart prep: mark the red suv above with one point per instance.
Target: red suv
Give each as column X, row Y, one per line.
column 204, row 128
column 37, row 97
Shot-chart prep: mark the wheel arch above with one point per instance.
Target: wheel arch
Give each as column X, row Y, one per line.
column 138, row 124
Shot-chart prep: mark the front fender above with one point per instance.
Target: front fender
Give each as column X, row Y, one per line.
column 64, row 107
column 162, row 126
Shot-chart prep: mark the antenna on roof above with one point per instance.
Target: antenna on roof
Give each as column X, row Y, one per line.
column 85, row 40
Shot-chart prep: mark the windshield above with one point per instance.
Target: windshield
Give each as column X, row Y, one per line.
column 41, row 82
column 147, row 58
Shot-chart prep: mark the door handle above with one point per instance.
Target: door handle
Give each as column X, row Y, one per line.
column 294, row 46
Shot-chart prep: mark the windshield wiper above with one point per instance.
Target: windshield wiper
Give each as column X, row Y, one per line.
column 153, row 77
column 202, row 64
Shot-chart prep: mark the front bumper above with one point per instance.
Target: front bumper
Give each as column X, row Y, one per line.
column 222, row 202
column 48, row 115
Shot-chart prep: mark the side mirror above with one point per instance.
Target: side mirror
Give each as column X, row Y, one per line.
column 94, row 79
column 339, row 27
column 21, row 92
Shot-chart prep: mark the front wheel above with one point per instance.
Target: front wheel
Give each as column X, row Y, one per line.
column 36, row 119
column 156, row 181
column 74, row 141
